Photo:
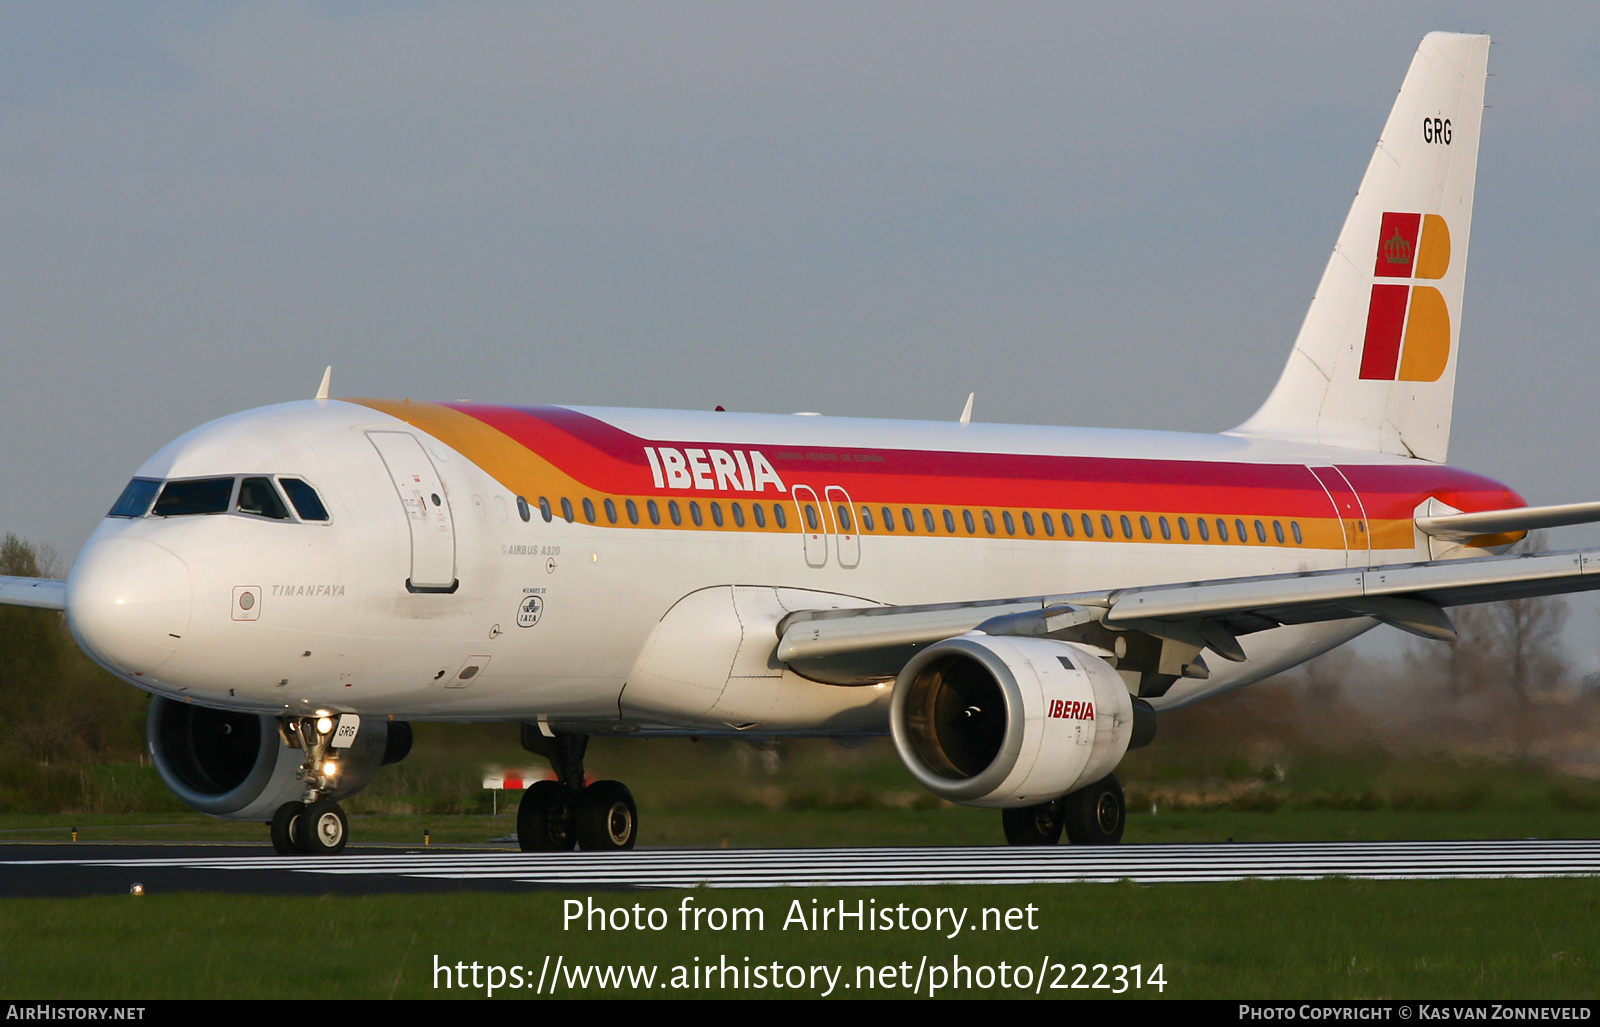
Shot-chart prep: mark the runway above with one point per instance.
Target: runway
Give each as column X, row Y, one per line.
column 372, row 871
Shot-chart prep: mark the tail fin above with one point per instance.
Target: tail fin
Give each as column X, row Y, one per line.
column 1374, row 366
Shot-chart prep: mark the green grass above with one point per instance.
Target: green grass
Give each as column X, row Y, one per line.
column 1263, row 939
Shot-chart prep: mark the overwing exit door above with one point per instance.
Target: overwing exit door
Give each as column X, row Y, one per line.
column 846, row 535
column 427, row 508
column 813, row 524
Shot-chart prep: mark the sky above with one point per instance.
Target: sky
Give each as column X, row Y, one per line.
column 1107, row 214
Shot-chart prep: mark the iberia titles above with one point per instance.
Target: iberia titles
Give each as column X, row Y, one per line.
column 711, row 469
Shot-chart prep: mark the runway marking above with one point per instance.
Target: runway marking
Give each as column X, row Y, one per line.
column 773, row 868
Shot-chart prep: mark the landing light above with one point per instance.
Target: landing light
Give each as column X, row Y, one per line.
column 330, row 768
column 324, row 725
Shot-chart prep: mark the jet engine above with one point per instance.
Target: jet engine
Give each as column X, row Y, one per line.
column 1006, row 722
column 238, row 766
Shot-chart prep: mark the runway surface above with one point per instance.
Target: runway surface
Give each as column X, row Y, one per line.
column 26, row 870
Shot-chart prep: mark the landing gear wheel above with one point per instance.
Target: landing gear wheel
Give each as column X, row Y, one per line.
column 544, row 818
column 1097, row 814
column 607, row 819
column 1033, row 825
column 284, row 820
column 322, row 829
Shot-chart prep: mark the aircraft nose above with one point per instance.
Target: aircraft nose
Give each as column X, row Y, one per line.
column 128, row 603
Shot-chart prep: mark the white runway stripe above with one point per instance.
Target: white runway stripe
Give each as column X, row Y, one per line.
column 762, row 868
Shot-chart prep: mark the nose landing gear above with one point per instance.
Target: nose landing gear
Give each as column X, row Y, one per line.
column 316, row 825
column 555, row 816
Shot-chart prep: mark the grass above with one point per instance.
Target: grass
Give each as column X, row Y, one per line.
column 1261, row 939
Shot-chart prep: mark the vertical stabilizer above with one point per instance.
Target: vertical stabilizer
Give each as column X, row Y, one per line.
column 1374, row 366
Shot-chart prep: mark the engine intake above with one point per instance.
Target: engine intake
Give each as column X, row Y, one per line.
column 1004, row 722
column 236, row 765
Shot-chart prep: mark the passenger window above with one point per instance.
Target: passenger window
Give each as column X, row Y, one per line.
column 566, row 509
column 1239, row 529
column 1050, row 524
column 611, row 512
column 305, row 499
column 588, row 509
column 1105, row 526
column 1166, row 529
column 1183, row 528
column 846, row 524
column 1205, row 533
column 136, row 498
column 1277, row 531
column 738, row 515
column 1222, row 530
column 866, row 518
column 1027, row 522
column 888, row 519
column 716, row 514
column 927, row 521
column 779, row 518
column 1144, row 526
column 1088, row 526
column 544, row 510
column 694, row 513
column 201, row 496
column 654, row 511
column 522, row 509
column 950, row 522
column 674, row 512
column 1261, row 532
column 1299, row 539
column 761, row 515
column 906, row 519
column 811, row 516
column 633, row 511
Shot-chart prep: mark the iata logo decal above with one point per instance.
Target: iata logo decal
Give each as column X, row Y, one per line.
column 1071, row 709
column 1408, row 326
column 712, row 469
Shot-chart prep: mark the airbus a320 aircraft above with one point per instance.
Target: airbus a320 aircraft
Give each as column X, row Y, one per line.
column 1013, row 605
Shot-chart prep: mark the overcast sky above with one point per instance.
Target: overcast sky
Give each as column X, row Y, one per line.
column 1109, row 214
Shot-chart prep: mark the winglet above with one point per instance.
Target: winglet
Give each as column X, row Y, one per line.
column 327, row 381
column 966, row 413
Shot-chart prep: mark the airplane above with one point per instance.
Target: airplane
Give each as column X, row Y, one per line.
column 1013, row 605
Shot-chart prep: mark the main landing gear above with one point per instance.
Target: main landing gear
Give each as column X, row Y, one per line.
column 315, row 826
column 555, row 816
column 1094, row 815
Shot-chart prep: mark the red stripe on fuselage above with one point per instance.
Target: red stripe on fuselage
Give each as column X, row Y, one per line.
column 611, row 460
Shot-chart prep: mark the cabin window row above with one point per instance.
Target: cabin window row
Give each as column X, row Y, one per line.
column 653, row 511
column 1087, row 525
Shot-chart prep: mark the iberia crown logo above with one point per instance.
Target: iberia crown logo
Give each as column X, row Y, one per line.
column 1408, row 326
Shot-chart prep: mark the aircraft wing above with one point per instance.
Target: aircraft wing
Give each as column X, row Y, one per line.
column 1179, row 620
column 40, row 593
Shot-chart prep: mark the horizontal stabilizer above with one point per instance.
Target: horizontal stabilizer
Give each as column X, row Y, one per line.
column 40, row 593
column 1459, row 527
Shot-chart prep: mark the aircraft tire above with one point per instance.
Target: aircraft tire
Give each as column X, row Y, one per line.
column 284, row 819
column 322, row 829
column 1033, row 825
column 1096, row 815
column 607, row 819
column 544, row 818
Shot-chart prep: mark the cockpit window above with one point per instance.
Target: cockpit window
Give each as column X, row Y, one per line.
column 306, row 502
column 196, row 496
column 257, row 496
column 136, row 498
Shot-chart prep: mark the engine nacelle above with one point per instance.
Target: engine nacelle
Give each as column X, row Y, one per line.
column 999, row 721
column 237, row 767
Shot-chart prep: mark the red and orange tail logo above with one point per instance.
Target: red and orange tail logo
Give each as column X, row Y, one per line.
column 1408, row 326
